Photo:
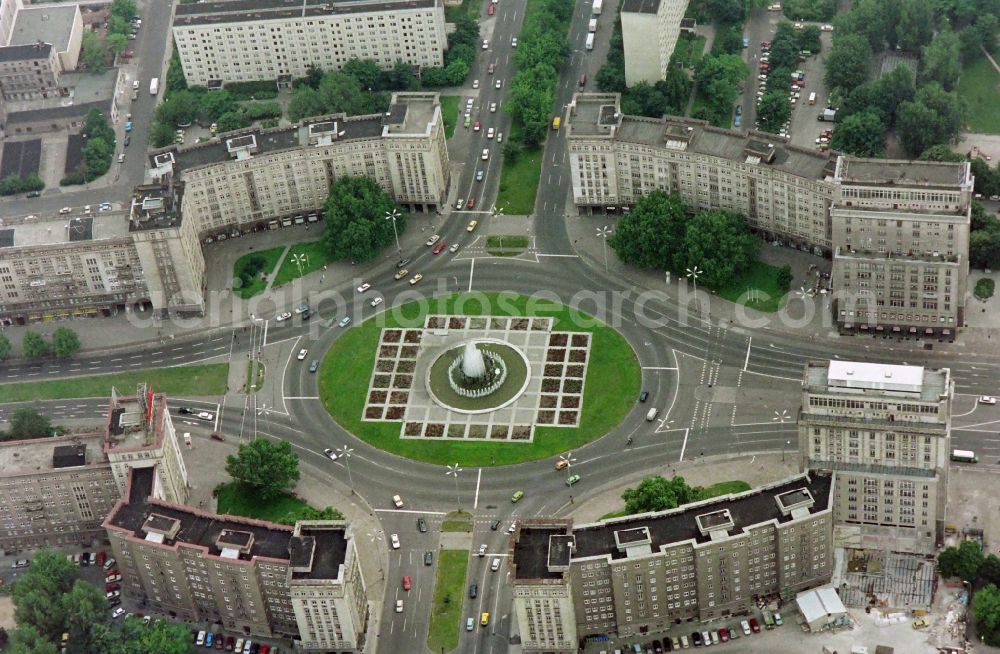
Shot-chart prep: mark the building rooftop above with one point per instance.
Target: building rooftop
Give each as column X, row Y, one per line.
column 155, row 206
column 171, row 524
column 49, row 23
column 45, row 231
column 904, row 173
column 133, row 426
column 58, row 114
column 927, row 384
column 600, row 115
column 243, row 11
column 531, row 550
column 694, row 522
column 412, row 114
column 318, row 551
column 641, row 6
column 24, row 52
column 38, row 455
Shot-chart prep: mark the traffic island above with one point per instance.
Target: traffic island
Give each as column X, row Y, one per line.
column 449, row 596
column 386, row 380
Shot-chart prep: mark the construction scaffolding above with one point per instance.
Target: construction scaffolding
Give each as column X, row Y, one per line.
column 887, row 580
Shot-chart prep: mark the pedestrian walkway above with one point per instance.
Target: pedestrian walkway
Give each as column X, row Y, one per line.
column 274, row 273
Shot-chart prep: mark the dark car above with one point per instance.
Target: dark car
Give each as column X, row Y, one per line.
column 113, row 602
column 473, row 591
column 422, row 525
column 128, row 139
column 657, row 648
column 216, row 436
column 184, row 411
column 643, row 396
column 255, row 649
column 34, row 194
column 754, row 625
column 402, row 262
column 428, row 558
column 696, row 639
column 85, row 559
column 220, row 642
column 495, row 525
column 306, row 315
column 230, row 643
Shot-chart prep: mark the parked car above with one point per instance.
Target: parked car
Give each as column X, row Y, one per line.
column 428, row 557
column 421, row 525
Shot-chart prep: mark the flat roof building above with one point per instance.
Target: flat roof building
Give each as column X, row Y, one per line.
column 642, row 573
column 886, row 431
column 649, row 34
column 246, row 40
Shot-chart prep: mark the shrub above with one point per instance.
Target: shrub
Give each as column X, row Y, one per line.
column 257, row 90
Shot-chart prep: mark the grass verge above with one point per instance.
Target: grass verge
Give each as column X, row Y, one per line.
column 259, row 282
column 984, row 288
column 449, row 113
column 978, row 86
column 208, row 379
column 316, row 256
column 519, row 183
column 284, row 509
column 707, row 492
column 250, row 386
column 761, row 278
column 449, row 595
column 346, row 370
column 501, row 245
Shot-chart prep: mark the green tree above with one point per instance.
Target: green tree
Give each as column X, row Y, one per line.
column 118, row 25
column 175, row 75
column 721, row 244
column 26, row 639
column 651, row 234
column 93, row 51
column 658, row 494
column 356, row 225
column 941, row 152
column 314, row 75
column 862, row 134
column 981, row 219
column 785, row 277
column 161, row 135
column 5, row 347
column 33, row 345
column 808, row 39
column 124, row 9
column 216, row 103
column 984, row 248
column 264, row 468
column 311, row 513
column 65, row 342
column 934, row 116
column 916, row 24
column 962, row 561
column 305, row 102
column 37, row 594
column 27, row 422
column 161, row 637
column 871, row 19
column 84, row 607
column 987, row 179
column 940, row 60
column 341, row 92
column 117, row 43
column 848, row 63
column 986, row 611
column 990, row 569
column 773, row 110
column 365, row 71
column 232, row 120
column 986, row 27
column 179, row 108
column 402, row 77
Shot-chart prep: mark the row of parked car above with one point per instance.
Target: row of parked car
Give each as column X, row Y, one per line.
column 219, row 641
column 705, row 637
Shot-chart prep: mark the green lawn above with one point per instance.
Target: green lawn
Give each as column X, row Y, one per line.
column 260, row 378
column 347, row 369
column 316, row 253
column 233, row 502
column 519, row 183
column 506, row 245
column 209, row 379
column 689, row 50
column 258, row 285
column 721, row 488
column 449, row 596
column 760, row 277
column 978, row 85
column 449, row 113
column 984, row 288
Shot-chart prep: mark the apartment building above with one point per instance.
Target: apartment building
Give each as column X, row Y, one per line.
column 901, row 235
column 886, row 431
column 650, row 25
column 58, row 490
column 648, row 572
column 262, row 579
column 37, row 44
column 245, row 40
column 897, row 230
column 28, row 72
column 615, row 159
column 8, row 12
column 248, row 179
column 60, row 25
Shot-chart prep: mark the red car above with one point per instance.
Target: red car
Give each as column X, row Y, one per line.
column 472, row 201
column 439, row 247
column 112, row 586
column 101, row 556
column 220, row 642
column 230, row 643
column 111, row 573
column 765, row 44
column 265, row 649
column 492, row 9
column 476, row 126
column 406, row 580
column 724, row 634
column 754, row 626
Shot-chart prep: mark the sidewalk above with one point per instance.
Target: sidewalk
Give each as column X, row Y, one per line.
column 755, row 470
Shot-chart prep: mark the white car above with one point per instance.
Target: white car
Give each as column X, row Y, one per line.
column 482, row 550
column 486, row 44
column 987, row 399
column 454, row 248
column 377, row 301
column 302, row 354
column 745, row 626
column 111, row 594
column 497, row 84
column 118, row 612
column 399, row 606
column 475, row 84
column 433, row 239
column 330, row 454
column 205, row 415
column 282, row 317
column 105, row 206
column 364, row 287
column 798, row 26
column 512, row 528
column 499, row 137
column 493, row 107
column 395, row 541
column 495, row 565
column 486, row 154
column 826, row 28
column 489, row 133
column 513, row 42
column 458, row 205
column 397, row 501
column 64, row 210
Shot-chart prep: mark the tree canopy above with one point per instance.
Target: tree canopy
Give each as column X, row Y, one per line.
column 33, row 345
column 848, row 64
column 720, row 244
column 962, row 561
column 264, row 468
column 934, row 116
column 861, row 134
column 65, row 342
column 650, row 235
column 27, row 422
column 986, row 612
column 356, row 224
column 658, row 494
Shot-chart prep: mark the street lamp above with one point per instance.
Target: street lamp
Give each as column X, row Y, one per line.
column 453, row 471
column 300, row 259
column 692, row 274
column 264, row 411
column 603, row 233
column 780, row 418
column 345, row 453
column 393, row 215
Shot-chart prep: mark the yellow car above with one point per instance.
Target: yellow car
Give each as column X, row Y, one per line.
column 921, row 624
column 484, row 619
column 472, row 226
column 402, row 273
column 416, row 278
column 516, row 497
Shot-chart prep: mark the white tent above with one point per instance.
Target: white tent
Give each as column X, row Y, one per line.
column 821, row 607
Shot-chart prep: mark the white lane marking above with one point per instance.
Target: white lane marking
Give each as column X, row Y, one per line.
column 218, row 414
column 794, row 379
column 658, row 368
column 472, row 270
column 747, row 359
column 283, row 371
column 197, row 361
column 301, row 397
column 479, row 478
column 411, row 511
column 684, row 444
column 266, row 324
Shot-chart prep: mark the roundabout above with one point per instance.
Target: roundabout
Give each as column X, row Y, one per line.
column 390, row 380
